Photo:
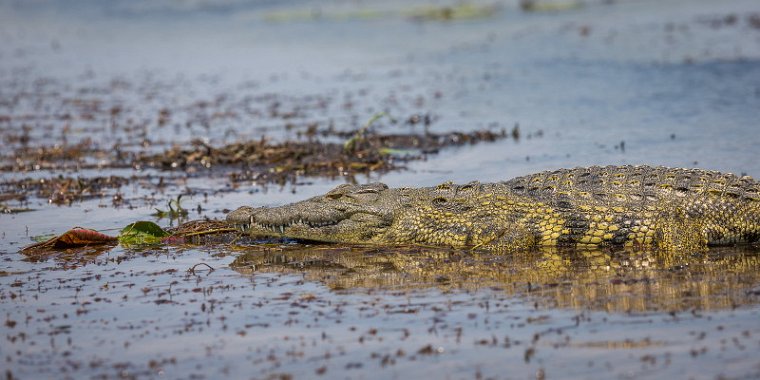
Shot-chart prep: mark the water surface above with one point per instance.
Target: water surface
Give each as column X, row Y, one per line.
column 631, row 82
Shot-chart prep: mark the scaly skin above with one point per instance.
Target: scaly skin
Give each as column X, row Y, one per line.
column 583, row 207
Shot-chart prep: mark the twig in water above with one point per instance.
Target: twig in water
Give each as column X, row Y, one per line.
column 192, row 269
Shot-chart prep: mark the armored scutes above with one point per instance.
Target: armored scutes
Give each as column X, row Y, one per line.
column 583, row 207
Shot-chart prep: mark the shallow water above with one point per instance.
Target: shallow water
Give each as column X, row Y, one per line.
column 677, row 83
column 366, row 313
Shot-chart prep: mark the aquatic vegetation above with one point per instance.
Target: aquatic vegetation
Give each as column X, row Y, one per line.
column 459, row 11
column 426, row 13
column 176, row 211
column 142, row 232
column 550, row 5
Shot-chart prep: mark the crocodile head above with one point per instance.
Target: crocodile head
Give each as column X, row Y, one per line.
column 448, row 214
column 346, row 214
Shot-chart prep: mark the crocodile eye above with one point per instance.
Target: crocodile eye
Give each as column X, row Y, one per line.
column 439, row 201
column 363, row 196
column 339, row 191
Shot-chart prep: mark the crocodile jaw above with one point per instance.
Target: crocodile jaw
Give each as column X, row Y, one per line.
column 348, row 214
column 354, row 228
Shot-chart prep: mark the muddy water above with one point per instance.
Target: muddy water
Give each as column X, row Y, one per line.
column 624, row 83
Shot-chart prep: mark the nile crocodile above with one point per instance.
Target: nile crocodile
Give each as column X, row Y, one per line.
column 589, row 207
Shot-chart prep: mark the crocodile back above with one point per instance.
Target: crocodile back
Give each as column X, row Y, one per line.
column 633, row 186
column 723, row 208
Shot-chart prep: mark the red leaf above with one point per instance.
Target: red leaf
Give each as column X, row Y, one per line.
column 75, row 237
column 78, row 237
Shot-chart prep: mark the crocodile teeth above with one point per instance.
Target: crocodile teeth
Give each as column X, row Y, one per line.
column 281, row 227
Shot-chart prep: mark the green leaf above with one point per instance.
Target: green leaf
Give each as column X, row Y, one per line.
column 142, row 232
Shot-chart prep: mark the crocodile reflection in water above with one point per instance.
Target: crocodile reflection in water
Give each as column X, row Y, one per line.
column 621, row 281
